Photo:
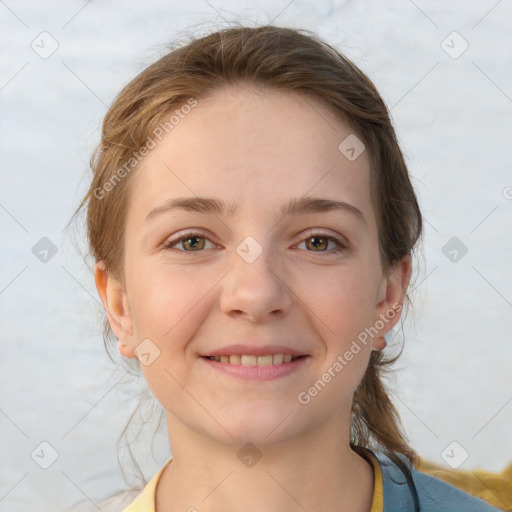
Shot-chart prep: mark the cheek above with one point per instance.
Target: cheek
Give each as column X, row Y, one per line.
column 169, row 303
column 342, row 302
column 342, row 305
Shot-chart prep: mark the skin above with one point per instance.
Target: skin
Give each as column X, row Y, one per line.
column 256, row 149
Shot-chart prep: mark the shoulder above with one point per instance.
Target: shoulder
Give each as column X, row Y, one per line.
column 145, row 500
column 433, row 494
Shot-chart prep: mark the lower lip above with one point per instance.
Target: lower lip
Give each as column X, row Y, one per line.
column 260, row 373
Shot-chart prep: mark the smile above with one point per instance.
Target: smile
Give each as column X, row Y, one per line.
column 250, row 367
column 251, row 360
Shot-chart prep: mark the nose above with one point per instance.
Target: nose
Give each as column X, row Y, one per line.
column 256, row 291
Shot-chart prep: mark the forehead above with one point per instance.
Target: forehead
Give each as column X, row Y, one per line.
column 253, row 146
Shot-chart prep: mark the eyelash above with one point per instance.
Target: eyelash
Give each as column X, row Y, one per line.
column 341, row 245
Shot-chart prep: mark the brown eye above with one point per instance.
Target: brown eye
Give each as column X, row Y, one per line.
column 189, row 242
column 317, row 243
column 195, row 243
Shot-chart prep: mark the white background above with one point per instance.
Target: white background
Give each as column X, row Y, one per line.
column 453, row 118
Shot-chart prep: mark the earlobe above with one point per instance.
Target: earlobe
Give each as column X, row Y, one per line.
column 379, row 343
column 391, row 299
column 116, row 306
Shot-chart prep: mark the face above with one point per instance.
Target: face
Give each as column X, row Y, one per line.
column 249, row 234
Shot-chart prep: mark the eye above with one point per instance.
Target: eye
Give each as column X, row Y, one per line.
column 315, row 242
column 319, row 242
column 188, row 242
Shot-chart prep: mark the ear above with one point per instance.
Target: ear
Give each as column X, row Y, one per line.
column 390, row 300
column 115, row 302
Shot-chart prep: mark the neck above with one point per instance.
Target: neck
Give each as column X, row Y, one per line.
column 314, row 472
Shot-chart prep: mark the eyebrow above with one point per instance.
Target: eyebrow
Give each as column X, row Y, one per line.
column 301, row 206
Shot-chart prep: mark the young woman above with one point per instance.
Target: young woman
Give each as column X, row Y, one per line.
column 253, row 221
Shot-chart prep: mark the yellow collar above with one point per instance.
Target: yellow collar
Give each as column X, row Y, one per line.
column 145, row 501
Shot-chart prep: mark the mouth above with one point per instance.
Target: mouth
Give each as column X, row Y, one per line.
column 260, row 368
column 252, row 360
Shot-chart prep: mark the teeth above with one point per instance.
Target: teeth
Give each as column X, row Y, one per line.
column 265, row 360
column 250, row 360
column 277, row 358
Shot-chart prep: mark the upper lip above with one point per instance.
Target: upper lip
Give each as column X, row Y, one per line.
column 239, row 350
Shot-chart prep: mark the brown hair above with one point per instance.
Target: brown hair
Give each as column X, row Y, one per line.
column 282, row 59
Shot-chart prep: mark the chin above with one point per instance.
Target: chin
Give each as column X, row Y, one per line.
column 261, row 426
